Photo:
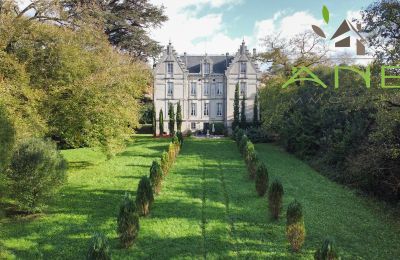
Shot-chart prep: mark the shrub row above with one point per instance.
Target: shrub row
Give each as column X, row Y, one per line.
column 131, row 209
column 295, row 228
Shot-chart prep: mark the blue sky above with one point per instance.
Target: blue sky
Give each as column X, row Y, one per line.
column 218, row 26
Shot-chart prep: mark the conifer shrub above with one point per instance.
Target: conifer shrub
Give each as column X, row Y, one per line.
column 243, row 143
column 252, row 164
column 99, row 248
column 37, row 170
column 248, row 149
column 327, row 251
column 239, row 135
column 295, row 229
column 156, row 176
column 128, row 222
column 275, row 196
column 144, row 196
column 261, row 179
column 165, row 163
column 176, row 143
column 171, row 153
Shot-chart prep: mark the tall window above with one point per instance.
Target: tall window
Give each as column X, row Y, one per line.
column 193, row 111
column 193, row 125
column 206, row 109
column 170, row 68
column 206, row 88
column 243, row 88
column 193, row 89
column 213, row 89
column 206, row 68
column 243, row 68
column 170, row 88
column 219, row 109
column 219, row 89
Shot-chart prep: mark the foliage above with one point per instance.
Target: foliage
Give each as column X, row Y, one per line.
column 171, row 122
column 165, row 163
column 99, row 248
column 7, row 138
column 249, row 150
column 36, row 172
column 294, row 213
column 327, row 251
column 154, row 120
column 171, row 153
column 296, row 235
column 146, row 113
column 179, row 117
column 257, row 135
column 144, row 196
column 252, row 164
column 242, row 143
column 256, row 121
column 238, row 135
column 236, row 108
column 128, row 222
column 180, row 138
column 156, row 176
column 262, row 179
column 219, row 128
column 161, row 122
column 275, row 197
column 243, row 120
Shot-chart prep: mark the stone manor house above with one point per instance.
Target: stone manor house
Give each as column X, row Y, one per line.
column 205, row 86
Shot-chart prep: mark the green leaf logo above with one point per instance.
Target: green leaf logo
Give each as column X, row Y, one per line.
column 325, row 14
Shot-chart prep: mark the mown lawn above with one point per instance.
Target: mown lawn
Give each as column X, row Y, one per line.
column 207, row 209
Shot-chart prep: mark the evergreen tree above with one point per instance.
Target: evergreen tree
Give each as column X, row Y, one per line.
column 154, row 120
column 179, row 117
column 171, row 123
column 144, row 196
column 128, row 222
column 243, row 114
column 235, row 122
column 255, row 111
column 161, row 119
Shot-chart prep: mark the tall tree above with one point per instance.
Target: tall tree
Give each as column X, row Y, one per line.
column 236, row 108
column 179, row 117
column 154, row 120
column 255, row 111
column 243, row 114
column 7, row 138
column 161, row 122
column 171, row 122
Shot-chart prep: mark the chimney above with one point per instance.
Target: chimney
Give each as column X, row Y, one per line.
column 254, row 52
column 185, row 57
column 226, row 59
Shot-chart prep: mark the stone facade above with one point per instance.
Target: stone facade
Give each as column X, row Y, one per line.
column 205, row 86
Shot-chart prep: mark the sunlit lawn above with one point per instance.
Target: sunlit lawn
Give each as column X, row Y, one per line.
column 207, row 208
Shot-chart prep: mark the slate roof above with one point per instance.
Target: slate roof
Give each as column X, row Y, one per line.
column 192, row 62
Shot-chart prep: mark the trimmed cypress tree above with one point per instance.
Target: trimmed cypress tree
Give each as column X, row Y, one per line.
column 236, row 108
column 161, row 119
column 154, row 120
column 180, row 138
column 295, row 230
column 179, row 117
column 261, row 179
column 252, row 164
column 144, row 196
column 99, row 248
column 156, row 176
column 242, row 143
column 255, row 111
column 165, row 163
column 243, row 119
column 171, row 122
column 171, row 153
column 275, row 195
column 239, row 135
column 327, row 251
column 128, row 222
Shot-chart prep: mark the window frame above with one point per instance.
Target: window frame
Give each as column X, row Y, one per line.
column 206, row 105
column 193, row 109
column 243, row 68
column 220, row 88
column 193, row 124
column 206, row 89
column 170, row 86
column 193, row 86
column 207, row 68
column 243, row 88
column 170, row 64
column 219, row 105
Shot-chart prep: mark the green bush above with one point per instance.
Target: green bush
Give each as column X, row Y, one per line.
column 238, row 136
column 243, row 143
column 36, row 172
column 189, row 133
column 99, row 248
column 165, row 163
column 248, row 151
column 261, row 179
column 171, row 153
column 294, row 213
column 144, row 196
column 128, row 222
column 219, row 128
column 275, row 196
column 180, row 138
column 156, row 176
column 257, row 135
column 295, row 230
column 252, row 165
column 296, row 234
column 327, row 251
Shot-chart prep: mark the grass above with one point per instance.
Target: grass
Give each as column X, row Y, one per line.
column 208, row 208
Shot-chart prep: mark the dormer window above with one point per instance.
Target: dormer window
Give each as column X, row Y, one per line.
column 243, row 68
column 206, row 68
column 170, row 68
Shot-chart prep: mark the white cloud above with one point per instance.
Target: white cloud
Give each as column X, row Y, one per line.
column 351, row 15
